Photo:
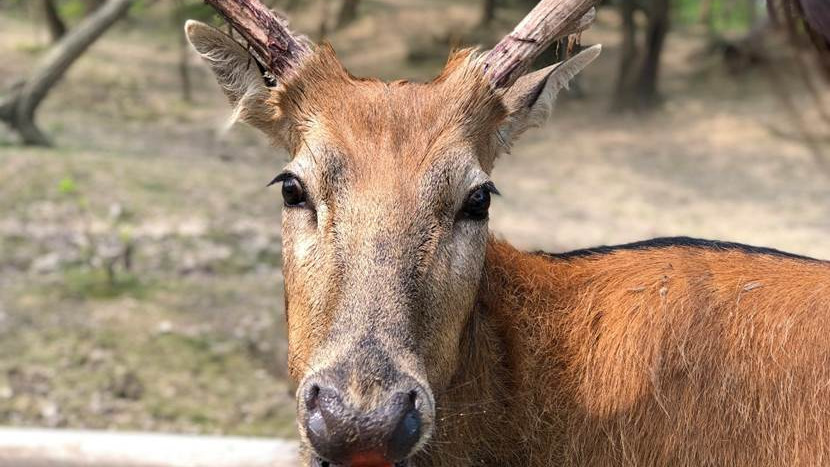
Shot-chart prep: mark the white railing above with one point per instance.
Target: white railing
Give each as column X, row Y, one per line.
column 22, row 447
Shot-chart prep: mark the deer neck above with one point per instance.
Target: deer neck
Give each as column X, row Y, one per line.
column 506, row 398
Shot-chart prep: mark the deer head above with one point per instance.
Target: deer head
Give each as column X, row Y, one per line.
column 385, row 212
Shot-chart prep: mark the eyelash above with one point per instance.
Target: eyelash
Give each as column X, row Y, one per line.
column 286, row 176
column 489, row 186
column 281, row 177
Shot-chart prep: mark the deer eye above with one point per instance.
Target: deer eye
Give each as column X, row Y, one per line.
column 478, row 202
column 293, row 193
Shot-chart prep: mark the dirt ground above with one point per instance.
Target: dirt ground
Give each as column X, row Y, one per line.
column 188, row 338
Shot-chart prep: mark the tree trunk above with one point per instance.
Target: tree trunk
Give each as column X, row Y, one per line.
column 286, row 5
column 347, row 13
column 658, row 27
column 91, row 5
column 752, row 13
column 639, row 69
column 488, row 12
column 184, row 54
column 54, row 23
column 707, row 17
column 323, row 28
column 18, row 110
column 184, row 69
column 628, row 56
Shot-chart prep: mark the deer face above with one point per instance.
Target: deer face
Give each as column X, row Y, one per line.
column 384, row 232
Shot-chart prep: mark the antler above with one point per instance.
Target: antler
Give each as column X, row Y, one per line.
column 548, row 21
column 279, row 50
column 268, row 35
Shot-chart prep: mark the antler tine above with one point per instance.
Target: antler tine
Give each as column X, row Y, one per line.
column 549, row 20
column 268, row 35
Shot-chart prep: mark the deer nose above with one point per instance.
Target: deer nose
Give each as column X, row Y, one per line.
column 342, row 434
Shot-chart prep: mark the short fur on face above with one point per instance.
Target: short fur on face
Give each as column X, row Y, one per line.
column 387, row 167
column 380, row 269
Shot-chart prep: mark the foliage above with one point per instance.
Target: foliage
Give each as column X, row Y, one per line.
column 87, row 283
column 196, row 10
column 106, row 266
column 72, row 10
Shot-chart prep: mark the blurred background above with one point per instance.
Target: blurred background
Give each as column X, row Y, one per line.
column 140, row 283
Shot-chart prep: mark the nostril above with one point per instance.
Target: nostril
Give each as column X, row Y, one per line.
column 315, row 423
column 312, row 397
column 341, row 433
column 406, row 433
column 410, row 425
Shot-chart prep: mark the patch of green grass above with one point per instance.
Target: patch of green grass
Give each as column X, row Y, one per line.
column 270, row 257
column 213, row 379
column 72, row 10
column 155, row 186
column 67, row 186
column 727, row 15
column 84, row 282
column 189, row 382
column 30, row 48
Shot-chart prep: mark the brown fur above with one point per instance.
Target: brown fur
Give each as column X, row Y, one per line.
column 670, row 356
column 409, row 120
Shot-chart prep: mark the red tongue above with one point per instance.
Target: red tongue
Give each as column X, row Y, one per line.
column 369, row 459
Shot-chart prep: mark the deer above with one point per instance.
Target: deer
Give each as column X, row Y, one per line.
column 418, row 338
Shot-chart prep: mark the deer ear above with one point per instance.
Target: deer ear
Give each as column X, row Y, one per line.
column 530, row 99
column 237, row 72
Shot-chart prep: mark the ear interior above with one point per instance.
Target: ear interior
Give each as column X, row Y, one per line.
column 530, row 100
column 236, row 71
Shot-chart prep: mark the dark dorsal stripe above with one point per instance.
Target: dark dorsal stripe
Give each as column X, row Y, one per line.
column 682, row 242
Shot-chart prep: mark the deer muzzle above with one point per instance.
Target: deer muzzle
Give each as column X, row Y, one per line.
column 347, row 428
